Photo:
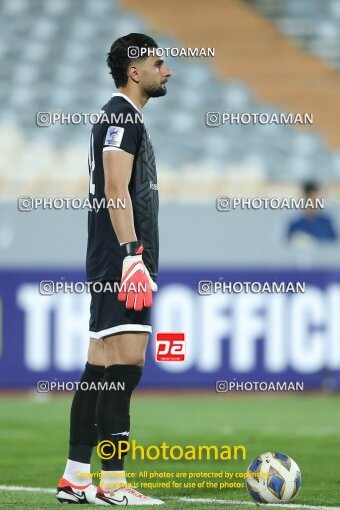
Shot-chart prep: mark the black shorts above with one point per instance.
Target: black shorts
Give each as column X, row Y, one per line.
column 108, row 316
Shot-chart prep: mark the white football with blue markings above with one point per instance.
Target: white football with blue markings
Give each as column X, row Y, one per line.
column 273, row 477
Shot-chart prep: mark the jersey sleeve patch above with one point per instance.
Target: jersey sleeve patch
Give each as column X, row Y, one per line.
column 114, row 136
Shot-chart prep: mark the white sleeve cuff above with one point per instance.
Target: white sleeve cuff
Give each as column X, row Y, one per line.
column 111, row 149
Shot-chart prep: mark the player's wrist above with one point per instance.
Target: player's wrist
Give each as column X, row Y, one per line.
column 131, row 249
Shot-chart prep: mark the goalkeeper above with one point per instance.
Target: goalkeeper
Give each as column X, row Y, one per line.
column 122, row 248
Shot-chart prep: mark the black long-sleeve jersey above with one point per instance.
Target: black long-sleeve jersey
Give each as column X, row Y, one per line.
column 122, row 129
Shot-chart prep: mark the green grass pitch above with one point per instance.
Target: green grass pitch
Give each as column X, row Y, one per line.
column 307, row 427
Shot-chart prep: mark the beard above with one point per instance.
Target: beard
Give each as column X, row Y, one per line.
column 155, row 90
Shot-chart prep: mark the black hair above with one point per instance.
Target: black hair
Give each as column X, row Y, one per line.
column 124, row 51
column 310, row 187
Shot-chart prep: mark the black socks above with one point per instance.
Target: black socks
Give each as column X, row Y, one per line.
column 104, row 414
column 83, row 429
column 113, row 408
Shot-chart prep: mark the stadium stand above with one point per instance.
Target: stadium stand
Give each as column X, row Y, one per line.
column 313, row 24
column 53, row 59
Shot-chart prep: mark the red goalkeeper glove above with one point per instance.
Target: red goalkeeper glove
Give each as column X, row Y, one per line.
column 136, row 285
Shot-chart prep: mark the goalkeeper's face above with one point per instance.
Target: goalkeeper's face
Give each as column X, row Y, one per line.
column 153, row 76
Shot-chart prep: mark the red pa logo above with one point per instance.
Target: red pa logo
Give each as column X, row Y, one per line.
column 170, row 347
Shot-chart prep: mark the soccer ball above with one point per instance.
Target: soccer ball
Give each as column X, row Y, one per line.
column 273, row 478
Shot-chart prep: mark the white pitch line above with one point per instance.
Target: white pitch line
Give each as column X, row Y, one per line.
column 234, row 502
column 187, row 500
column 26, row 489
